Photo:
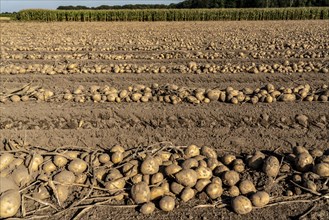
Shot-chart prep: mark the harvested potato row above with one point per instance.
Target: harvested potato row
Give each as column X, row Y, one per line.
column 208, row 55
column 163, row 176
column 192, row 67
column 131, row 37
column 171, row 93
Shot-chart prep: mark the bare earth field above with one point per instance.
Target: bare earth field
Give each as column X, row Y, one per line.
column 167, row 59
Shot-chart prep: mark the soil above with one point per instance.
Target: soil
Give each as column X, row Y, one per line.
column 239, row 129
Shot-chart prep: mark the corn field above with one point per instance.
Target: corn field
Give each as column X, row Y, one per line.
column 174, row 14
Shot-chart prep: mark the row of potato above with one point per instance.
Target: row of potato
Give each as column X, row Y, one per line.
column 287, row 67
column 183, row 38
column 171, row 93
column 156, row 177
column 259, row 54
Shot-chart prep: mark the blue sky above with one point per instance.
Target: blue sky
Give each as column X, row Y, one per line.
column 16, row 5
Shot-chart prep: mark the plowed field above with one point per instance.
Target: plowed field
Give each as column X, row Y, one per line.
column 62, row 85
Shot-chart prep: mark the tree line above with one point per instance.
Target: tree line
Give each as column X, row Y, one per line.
column 211, row 4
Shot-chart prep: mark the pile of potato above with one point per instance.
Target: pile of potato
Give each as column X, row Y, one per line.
column 26, row 93
column 154, row 177
column 286, row 67
column 171, row 93
column 201, row 36
column 208, row 55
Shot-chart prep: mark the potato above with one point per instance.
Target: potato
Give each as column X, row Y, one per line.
column 190, row 163
column 156, row 178
column 202, row 163
column 85, row 156
column 129, row 165
column 117, row 157
column 217, row 180
column 21, row 176
column 96, row 97
column 77, row 166
column 203, row 173
column 10, row 202
column 17, row 162
column 100, row 173
column 147, row 208
column 114, row 174
column 176, row 188
column 212, row 163
column 214, row 190
column 60, row 161
column 172, row 169
column 201, row 184
column 63, row 193
column 72, row 154
column 114, row 185
column 35, row 162
column 213, row 94
column 65, row 177
column 230, row 178
column 15, row 98
column 256, row 161
column 165, row 156
column 192, row 151
column 81, row 178
column 43, row 177
column 5, row 160
column 260, row 198
column 49, row 167
column 166, row 187
column 237, row 161
column 167, row 203
column 299, row 150
column 233, row 191
column 208, row 152
column 271, row 166
column 287, row 97
column 174, row 157
column 296, row 178
column 104, row 158
column 7, row 183
column 304, row 162
column 322, row 169
column 41, row 193
column 310, row 185
column 141, row 193
column 149, row 166
column 117, row 148
column 130, row 170
column 146, row 179
column 247, row 187
column 220, row 170
column 158, row 159
column 239, row 167
column 228, row 159
column 241, row 205
column 6, row 172
column 137, row 178
column 156, row 192
column 187, row 177
column 187, row 194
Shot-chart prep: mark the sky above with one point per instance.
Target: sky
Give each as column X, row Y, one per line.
column 16, row 5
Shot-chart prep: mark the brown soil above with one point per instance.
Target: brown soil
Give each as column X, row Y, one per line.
column 226, row 127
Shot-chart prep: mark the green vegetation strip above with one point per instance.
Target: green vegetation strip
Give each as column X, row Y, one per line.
column 174, row 14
